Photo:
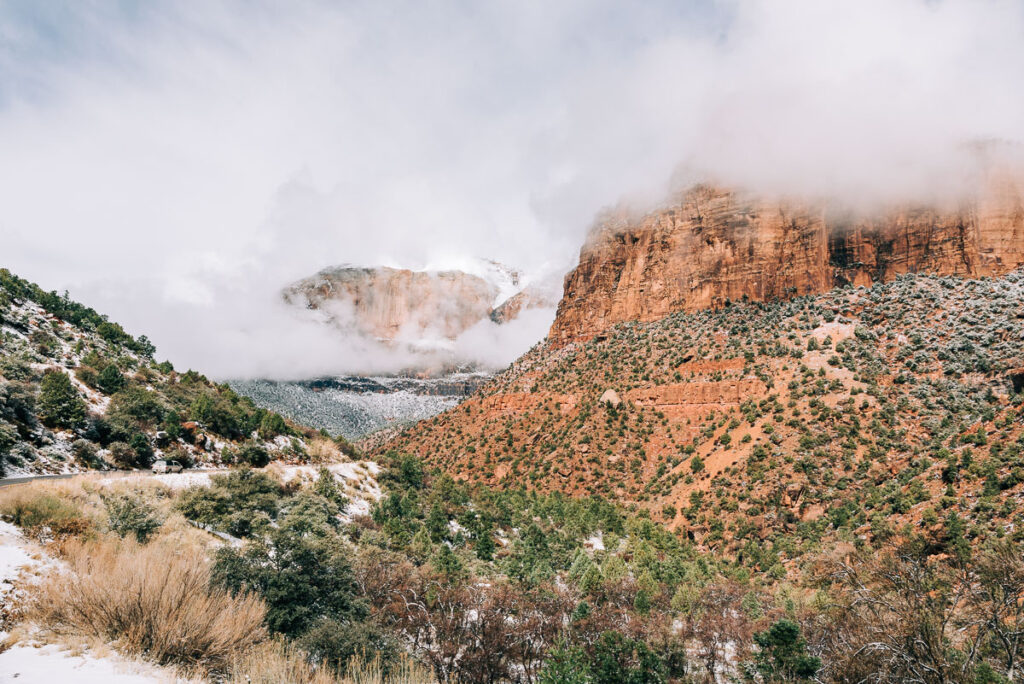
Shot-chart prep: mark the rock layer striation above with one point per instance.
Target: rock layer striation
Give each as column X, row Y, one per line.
column 713, row 246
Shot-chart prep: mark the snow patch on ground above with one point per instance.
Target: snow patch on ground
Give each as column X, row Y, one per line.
column 31, row 664
column 596, row 542
column 358, row 479
column 20, row 559
column 23, row 561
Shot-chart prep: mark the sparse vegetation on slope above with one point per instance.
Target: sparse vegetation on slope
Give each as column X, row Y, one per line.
column 78, row 392
column 761, row 431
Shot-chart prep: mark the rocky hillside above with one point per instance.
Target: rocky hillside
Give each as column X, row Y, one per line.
column 78, row 392
column 856, row 414
column 715, row 246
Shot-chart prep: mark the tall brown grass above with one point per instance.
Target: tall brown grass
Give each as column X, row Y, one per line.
column 370, row 671
column 278, row 662
column 42, row 514
column 151, row 601
column 323, row 450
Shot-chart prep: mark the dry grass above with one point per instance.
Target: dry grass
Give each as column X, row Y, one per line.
column 322, row 450
column 406, row 671
column 277, row 662
column 42, row 513
column 150, row 600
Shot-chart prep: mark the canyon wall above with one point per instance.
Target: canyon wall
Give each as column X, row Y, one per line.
column 392, row 304
column 714, row 245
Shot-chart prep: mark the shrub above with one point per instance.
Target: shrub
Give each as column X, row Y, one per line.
column 41, row 514
column 280, row 662
column 565, row 665
column 123, row 455
column 151, row 602
column 276, row 662
column 110, row 379
column 323, row 450
column 271, row 426
column 136, row 403
column 302, row 580
column 8, row 438
column 86, row 453
column 620, row 660
column 334, row 644
column 253, row 455
column 143, row 449
column 127, row 514
column 783, row 654
column 240, row 502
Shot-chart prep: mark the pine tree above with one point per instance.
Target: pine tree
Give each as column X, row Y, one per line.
column 485, row 545
column 110, row 379
column 783, row 655
column 59, row 404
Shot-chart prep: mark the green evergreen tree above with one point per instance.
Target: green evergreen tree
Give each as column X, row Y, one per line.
column 271, row 426
column 955, row 540
column 783, row 655
column 447, row 563
column 110, row 379
column 437, row 523
column 327, row 486
column 59, row 404
column 565, row 665
column 485, row 545
column 617, row 659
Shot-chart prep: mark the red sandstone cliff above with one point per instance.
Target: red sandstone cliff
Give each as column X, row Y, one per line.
column 715, row 245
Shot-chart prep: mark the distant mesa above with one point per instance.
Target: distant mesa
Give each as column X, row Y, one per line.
column 423, row 310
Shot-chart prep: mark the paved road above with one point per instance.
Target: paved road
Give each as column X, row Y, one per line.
column 8, row 481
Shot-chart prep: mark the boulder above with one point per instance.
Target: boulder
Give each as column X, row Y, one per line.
column 611, row 397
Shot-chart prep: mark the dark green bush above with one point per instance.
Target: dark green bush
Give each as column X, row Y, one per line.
column 241, row 502
column 128, row 514
column 59, row 404
column 253, row 455
column 302, row 580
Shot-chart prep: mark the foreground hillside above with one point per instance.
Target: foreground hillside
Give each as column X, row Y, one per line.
column 77, row 392
column 762, row 430
column 819, row 495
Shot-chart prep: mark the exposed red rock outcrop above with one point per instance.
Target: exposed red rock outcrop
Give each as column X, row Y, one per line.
column 715, row 245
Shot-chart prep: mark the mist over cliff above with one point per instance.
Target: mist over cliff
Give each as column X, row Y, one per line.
column 711, row 247
column 178, row 164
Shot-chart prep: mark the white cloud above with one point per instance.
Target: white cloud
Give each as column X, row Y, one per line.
column 177, row 163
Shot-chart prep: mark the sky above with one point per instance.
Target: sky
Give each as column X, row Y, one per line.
column 174, row 164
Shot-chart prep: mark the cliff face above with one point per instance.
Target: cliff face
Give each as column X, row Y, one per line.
column 390, row 304
column 715, row 245
column 530, row 298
